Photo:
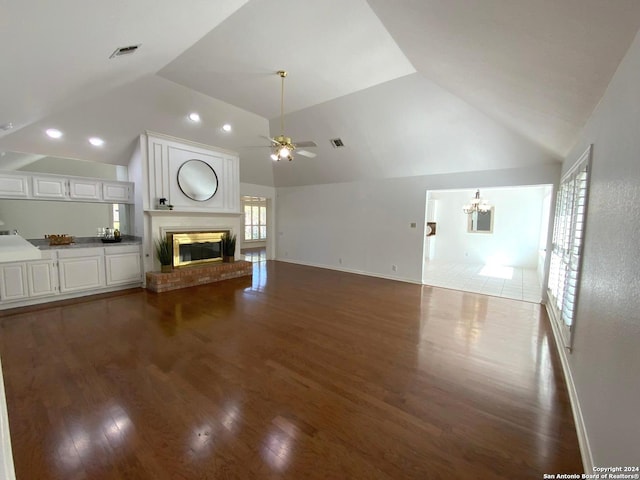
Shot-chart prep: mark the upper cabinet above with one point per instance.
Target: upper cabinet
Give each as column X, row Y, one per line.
column 49, row 187
column 35, row 186
column 190, row 176
column 14, row 186
column 84, row 189
column 117, row 192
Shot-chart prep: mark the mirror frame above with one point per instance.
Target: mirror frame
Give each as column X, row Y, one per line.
column 215, row 176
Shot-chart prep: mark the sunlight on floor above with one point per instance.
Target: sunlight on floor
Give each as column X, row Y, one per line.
column 497, row 271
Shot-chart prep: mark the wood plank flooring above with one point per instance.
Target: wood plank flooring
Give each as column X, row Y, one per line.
column 302, row 373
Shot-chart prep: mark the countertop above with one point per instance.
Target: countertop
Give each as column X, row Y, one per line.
column 85, row 242
column 14, row 248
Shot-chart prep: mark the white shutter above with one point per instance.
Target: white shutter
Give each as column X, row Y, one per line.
column 568, row 237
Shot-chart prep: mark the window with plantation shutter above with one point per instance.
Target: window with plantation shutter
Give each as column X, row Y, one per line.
column 255, row 218
column 568, row 237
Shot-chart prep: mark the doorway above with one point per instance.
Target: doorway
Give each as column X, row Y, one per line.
column 506, row 260
column 255, row 231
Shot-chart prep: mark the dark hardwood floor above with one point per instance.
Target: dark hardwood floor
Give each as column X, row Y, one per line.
column 303, row 373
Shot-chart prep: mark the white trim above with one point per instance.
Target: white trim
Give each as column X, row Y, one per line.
column 581, row 430
column 350, row 270
column 164, row 136
column 7, row 470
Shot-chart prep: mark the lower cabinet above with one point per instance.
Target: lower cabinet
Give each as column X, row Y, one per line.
column 72, row 272
column 81, row 269
column 13, row 281
column 123, row 265
column 42, row 278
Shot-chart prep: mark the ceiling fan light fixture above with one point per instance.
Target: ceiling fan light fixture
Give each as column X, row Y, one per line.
column 284, row 152
column 282, row 147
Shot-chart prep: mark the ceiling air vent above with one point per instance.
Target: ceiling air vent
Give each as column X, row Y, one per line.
column 336, row 143
column 118, row 52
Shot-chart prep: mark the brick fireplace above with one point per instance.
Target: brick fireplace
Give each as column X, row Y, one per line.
column 197, row 275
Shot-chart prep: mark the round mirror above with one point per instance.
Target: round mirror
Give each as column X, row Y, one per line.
column 197, row 180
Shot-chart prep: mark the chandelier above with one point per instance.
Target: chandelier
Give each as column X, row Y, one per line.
column 477, row 204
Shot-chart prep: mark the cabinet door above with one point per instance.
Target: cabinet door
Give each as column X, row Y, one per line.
column 41, row 278
column 123, row 268
column 49, row 187
column 13, row 281
column 13, row 186
column 81, row 273
column 84, row 189
column 117, row 192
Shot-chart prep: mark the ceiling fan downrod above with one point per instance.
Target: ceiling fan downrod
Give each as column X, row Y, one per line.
column 283, row 74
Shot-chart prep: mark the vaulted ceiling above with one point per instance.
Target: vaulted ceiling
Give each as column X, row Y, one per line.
column 412, row 87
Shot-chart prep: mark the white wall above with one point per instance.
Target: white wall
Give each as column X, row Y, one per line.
column 516, row 227
column 605, row 362
column 34, row 219
column 367, row 224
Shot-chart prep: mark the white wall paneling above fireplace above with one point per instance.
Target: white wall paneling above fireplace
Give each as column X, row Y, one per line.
column 165, row 157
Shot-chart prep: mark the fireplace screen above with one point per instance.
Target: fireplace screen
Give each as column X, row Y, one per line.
column 196, row 247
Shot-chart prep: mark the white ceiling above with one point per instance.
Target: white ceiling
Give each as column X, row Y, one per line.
column 412, row 86
column 330, row 49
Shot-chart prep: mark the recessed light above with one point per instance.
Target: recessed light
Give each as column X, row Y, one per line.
column 96, row 141
column 226, row 127
column 53, row 133
column 194, row 117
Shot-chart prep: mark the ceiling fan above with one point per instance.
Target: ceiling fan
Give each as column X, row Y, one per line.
column 282, row 146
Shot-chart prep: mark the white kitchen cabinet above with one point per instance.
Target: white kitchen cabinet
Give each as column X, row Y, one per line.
column 64, row 188
column 49, row 187
column 42, row 276
column 69, row 273
column 13, row 186
column 123, row 265
column 81, row 269
column 84, row 189
column 117, row 192
column 13, row 281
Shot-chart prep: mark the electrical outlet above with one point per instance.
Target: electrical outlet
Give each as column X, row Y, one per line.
column 394, row 268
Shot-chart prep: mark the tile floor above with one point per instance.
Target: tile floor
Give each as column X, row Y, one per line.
column 507, row 282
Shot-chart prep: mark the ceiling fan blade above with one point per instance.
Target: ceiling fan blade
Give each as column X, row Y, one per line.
column 272, row 140
column 306, row 144
column 305, row 153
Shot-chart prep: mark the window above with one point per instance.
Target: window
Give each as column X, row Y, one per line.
column 255, row 219
column 116, row 216
column 568, row 237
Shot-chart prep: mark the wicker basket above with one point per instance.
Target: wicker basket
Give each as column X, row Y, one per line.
column 63, row 239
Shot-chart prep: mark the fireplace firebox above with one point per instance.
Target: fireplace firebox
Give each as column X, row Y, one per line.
column 192, row 248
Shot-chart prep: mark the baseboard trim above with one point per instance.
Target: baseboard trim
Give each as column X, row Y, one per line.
column 581, row 431
column 350, row 270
